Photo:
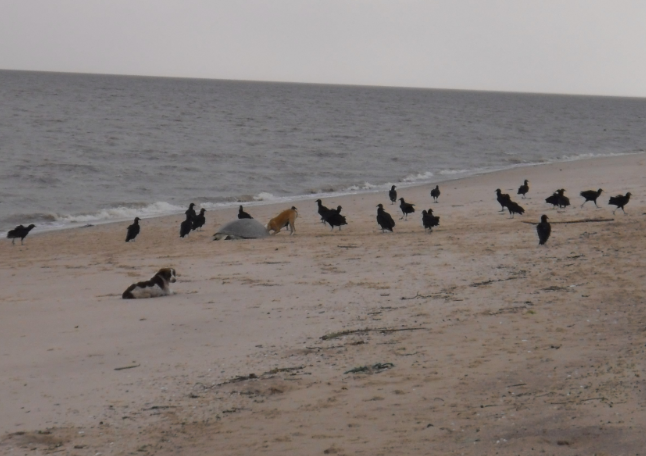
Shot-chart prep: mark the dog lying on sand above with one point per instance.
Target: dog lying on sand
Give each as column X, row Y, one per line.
column 284, row 219
column 159, row 285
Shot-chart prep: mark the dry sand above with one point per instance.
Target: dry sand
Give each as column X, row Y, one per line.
column 496, row 345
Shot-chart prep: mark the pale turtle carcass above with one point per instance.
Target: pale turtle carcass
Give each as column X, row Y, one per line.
column 241, row 229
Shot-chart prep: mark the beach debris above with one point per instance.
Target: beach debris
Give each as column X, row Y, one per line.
column 126, row 367
column 334, row 335
column 241, row 229
column 576, row 221
column 374, row 369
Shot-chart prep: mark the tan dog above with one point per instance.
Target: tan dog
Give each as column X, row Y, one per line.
column 159, row 285
column 284, row 219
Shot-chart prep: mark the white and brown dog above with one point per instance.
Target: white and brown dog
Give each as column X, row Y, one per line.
column 159, row 285
column 282, row 220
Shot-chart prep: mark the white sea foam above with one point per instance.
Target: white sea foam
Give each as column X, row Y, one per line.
column 425, row 176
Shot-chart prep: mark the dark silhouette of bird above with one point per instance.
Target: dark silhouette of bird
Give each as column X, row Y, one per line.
column 384, row 219
column 429, row 220
column 334, row 218
column 544, row 229
column 242, row 214
column 20, row 232
column 392, row 194
column 190, row 212
column 523, row 189
column 199, row 220
column 407, row 208
column 503, row 199
column 620, row 201
column 558, row 199
column 515, row 208
column 133, row 230
column 322, row 210
column 435, row 193
column 591, row 195
column 186, row 226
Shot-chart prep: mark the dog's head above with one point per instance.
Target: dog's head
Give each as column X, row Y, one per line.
column 168, row 274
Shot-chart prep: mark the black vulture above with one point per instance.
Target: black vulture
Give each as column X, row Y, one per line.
column 558, row 199
column 334, row 218
column 199, row 220
column 407, row 208
column 186, row 226
column 503, row 199
column 20, row 232
column 591, row 195
column 392, row 194
column 429, row 220
column 553, row 199
column 544, row 229
column 384, row 219
column 515, row 208
column 133, row 230
column 190, row 212
column 564, row 201
column 323, row 211
column 242, row 214
column 523, row 189
column 620, row 201
column 435, row 193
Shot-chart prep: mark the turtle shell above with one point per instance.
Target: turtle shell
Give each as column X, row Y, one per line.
column 241, row 229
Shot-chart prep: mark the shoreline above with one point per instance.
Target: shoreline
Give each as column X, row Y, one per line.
column 483, row 341
column 224, row 206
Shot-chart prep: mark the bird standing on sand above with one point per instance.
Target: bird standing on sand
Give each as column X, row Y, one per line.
column 514, row 208
column 429, row 220
column 523, row 189
column 591, row 195
column 242, row 214
column 199, row 220
column 620, row 201
column 334, row 218
column 133, row 230
column 19, row 232
column 186, row 226
column 190, row 212
column 503, row 199
column 558, row 198
column 392, row 194
column 407, row 208
column 384, row 219
column 322, row 210
column 435, row 193
column 544, row 229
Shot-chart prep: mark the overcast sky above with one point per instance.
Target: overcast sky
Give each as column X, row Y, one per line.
column 557, row 46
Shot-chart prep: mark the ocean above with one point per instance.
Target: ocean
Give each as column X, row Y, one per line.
column 82, row 149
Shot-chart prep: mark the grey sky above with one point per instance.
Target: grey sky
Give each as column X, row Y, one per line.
column 559, row 46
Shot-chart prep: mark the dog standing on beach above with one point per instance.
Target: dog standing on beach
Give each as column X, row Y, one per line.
column 284, row 219
column 159, row 285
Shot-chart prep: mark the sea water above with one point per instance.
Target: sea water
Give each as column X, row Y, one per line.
column 78, row 149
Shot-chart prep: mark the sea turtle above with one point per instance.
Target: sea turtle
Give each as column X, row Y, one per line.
column 241, row 229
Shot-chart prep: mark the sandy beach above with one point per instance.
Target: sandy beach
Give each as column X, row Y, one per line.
column 471, row 339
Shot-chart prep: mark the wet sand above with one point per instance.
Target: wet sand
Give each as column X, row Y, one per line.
column 471, row 339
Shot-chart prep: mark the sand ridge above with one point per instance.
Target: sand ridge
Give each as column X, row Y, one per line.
column 488, row 343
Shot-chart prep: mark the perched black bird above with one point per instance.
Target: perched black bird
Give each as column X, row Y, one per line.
column 186, row 226
column 392, row 194
column 429, row 220
column 544, row 229
column 334, row 218
column 133, row 230
column 384, row 219
column 20, row 232
column 199, row 220
column 558, row 199
column 620, row 201
column 190, row 212
column 503, row 199
column 515, row 208
column 242, row 214
column 407, row 208
column 523, row 189
column 591, row 195
column 435, row 193
column 323, row 211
